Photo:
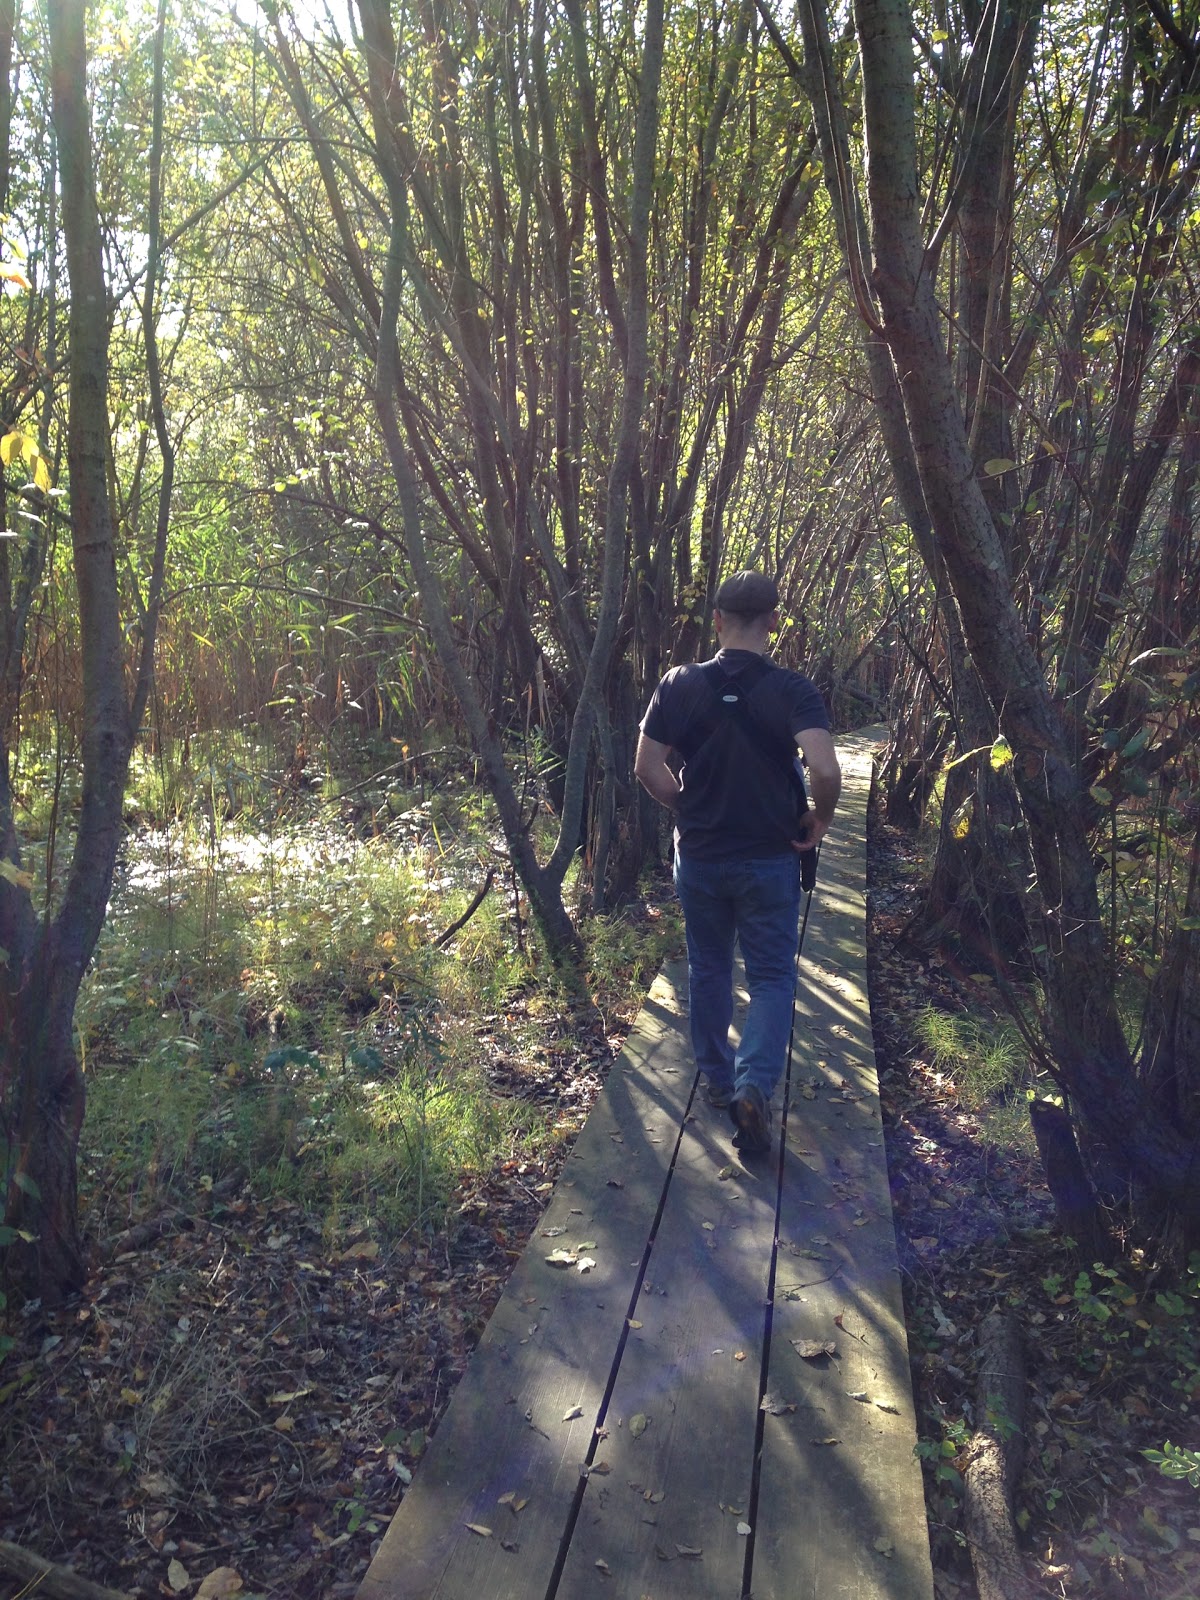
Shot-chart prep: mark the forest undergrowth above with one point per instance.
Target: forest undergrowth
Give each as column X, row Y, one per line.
column 319, row 1138
column 1112, row 1357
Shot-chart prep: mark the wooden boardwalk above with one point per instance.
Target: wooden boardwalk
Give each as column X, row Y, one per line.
column 647, row 1418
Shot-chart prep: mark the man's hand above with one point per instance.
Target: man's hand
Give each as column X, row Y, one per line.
column 814, row 831
column 651, row 769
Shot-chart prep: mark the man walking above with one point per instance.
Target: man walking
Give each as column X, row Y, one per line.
column 741, row 829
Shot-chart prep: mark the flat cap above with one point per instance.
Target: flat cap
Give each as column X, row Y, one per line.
column 747, row 594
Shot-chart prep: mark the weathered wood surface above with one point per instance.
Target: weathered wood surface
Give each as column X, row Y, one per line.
column 670, row 1342
column 842, row 1520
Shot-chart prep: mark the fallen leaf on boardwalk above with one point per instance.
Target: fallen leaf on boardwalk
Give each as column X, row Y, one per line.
column 858, row 1394
column 885, row 1546
column 616, row 1183
column 510, row 1545
column 177, row 1576
column 638, row 1424
column 775, row 1406
column 575, row 1411
column 727, row 1172
column 830, row 1440
column 478, row 1527
column 886, row 1405
column 561, row 1258
column 739, row 1355
column 585, row 1265
column 814, row 1349
column 710, row 1226
column 655, row 1496
column 603, row 1566
column 220, row 1584
column 743, row 1528
column 634, row 1323
column 601, row 1467
column 512, row 1502
column 689, row 1552
column 553, row 1233
column 586, row 1244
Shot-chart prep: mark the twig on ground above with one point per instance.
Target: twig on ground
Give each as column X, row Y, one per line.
column 59, row 1583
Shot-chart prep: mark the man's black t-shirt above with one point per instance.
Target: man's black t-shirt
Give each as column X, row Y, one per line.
column 735, row 803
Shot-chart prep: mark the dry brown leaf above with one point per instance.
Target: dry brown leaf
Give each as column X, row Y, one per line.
column 220, row 1584
column 364, row 1250
column 177, row 1576
column 814, row 1349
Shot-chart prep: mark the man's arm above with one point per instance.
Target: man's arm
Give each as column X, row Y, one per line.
column 824, row 782
column 652, row 772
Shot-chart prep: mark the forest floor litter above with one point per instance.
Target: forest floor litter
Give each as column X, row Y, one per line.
column 236, row 1404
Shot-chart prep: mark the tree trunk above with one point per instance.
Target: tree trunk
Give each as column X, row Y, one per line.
column 41, row 1086
column 1086, row 1041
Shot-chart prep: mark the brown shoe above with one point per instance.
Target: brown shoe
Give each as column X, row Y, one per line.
column 752, row 1118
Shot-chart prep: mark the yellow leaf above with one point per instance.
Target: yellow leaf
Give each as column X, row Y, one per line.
column 220, row 1584
column 364, row 1250
column 14, row 875
column 10, row 447
column 41, row 476
column 11, row 275
column 131, row 1397
column 285, row 1424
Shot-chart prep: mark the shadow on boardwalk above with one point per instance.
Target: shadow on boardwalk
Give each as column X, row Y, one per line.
column 704, row 1390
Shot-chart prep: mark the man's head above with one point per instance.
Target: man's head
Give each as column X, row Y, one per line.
column 746, row 607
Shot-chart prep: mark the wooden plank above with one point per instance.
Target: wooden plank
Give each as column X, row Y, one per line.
column 693, row 1370
column 547, row 1349
column 844, row 1520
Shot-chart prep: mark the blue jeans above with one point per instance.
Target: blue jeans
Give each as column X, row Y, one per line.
column 758, row 902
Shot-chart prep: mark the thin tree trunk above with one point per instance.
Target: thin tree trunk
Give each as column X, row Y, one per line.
column 1086, row 1040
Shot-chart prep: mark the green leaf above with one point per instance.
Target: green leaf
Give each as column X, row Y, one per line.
column 1002, row 754
column 1100, row 795
column 1136, row 745
column 997, row 465
column 27, row 1184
